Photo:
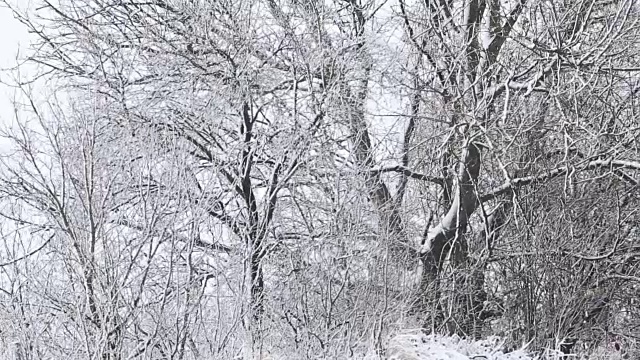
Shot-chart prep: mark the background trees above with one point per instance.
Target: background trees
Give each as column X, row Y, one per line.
column 305, row 177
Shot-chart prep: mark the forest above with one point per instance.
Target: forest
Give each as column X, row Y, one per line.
column 305, row 179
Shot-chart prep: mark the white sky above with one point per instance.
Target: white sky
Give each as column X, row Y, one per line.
column 14, row 39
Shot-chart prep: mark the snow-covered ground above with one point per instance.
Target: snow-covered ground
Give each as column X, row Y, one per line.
column 417, row 346
column 414, row 345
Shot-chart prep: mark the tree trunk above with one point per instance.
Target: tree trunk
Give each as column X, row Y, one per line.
column 445, row 241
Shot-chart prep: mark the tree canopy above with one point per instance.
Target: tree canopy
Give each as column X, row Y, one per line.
column 212, row 179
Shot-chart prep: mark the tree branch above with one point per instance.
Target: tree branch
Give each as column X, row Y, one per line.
column 595, row 164
column 409, row 173
column 505, row 30
column 11, row 262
